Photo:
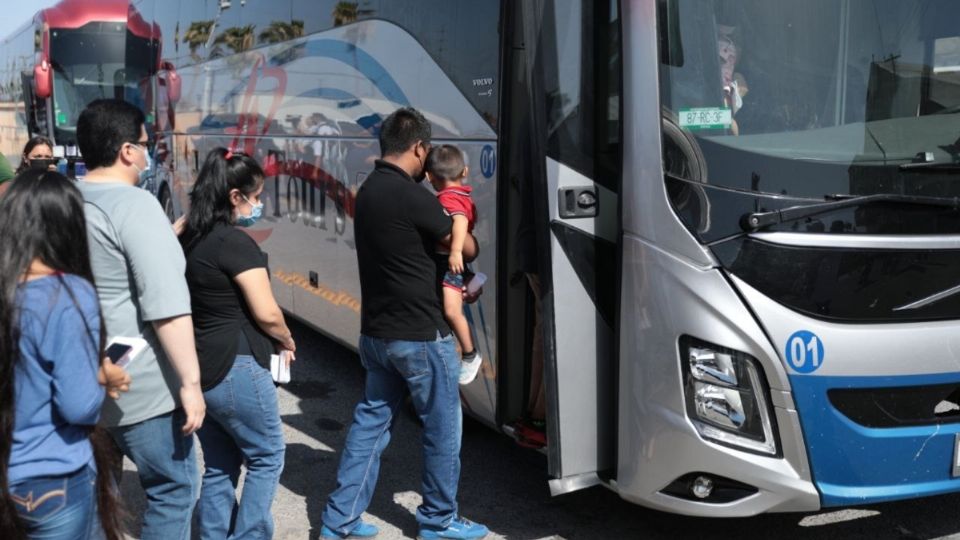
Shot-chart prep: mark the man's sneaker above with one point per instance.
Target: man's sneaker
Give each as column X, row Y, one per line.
column 469, row 367
column 362, row 530
column 458, row 529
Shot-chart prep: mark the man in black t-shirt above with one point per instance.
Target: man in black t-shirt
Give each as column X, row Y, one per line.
column 405, row 343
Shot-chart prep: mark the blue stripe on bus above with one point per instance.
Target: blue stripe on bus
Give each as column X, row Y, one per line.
column 853, row 464
column 360, row 60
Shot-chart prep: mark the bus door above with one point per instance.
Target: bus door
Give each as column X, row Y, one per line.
column 573, row 61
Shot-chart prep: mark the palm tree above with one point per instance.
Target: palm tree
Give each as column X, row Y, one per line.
column 238, row 38
column 196, row 36
column 345, row 13
column 280, row 31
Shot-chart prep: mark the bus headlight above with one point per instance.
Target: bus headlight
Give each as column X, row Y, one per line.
column 726, row 396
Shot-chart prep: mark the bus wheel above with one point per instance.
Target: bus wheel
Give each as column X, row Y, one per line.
column 166, row 202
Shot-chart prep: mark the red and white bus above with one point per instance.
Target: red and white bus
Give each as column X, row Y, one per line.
column 65, row 57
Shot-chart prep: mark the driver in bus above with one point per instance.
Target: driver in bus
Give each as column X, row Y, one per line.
column 734, row 85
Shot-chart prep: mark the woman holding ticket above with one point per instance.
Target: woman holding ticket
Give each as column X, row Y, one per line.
column 53, row 464
column 238, row 326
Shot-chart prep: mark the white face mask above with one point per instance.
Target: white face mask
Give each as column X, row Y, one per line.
column 256, row 212
column 143, row 174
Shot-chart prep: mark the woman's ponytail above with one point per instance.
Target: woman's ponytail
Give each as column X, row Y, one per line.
column 206, row 206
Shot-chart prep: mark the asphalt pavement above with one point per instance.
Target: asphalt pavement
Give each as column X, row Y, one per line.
column 505, row 486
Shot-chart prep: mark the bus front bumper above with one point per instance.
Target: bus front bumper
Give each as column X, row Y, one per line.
column 878, row 448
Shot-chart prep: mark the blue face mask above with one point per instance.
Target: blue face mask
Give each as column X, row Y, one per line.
column 143, row 174
column 255, row 213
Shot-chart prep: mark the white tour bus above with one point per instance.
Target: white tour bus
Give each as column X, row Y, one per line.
column 743, row 216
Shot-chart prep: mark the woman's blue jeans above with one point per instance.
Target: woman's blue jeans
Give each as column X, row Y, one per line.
column 428, row 370
column 59, row 507
column 242, row 427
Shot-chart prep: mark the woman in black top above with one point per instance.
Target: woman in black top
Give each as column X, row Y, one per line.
column 238, row 325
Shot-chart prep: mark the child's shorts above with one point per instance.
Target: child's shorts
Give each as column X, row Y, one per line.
column 453, row 281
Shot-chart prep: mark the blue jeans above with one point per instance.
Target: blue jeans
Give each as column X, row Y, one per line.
column 429, row 371
column 167, row 466
column 59, row 507
column 242, row 426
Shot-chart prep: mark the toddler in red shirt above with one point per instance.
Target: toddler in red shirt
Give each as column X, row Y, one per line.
column 446, row 171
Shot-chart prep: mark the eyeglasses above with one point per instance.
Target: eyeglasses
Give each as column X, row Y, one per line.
column 143, row 144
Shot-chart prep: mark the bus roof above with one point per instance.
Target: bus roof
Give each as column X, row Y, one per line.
column 78, row 13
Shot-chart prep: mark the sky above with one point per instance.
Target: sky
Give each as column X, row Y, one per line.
column 17, row 12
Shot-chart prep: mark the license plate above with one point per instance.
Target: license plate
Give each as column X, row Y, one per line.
column 956, row 455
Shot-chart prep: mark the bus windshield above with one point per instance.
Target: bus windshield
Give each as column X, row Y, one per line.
column 93, row 63
column 815, row 97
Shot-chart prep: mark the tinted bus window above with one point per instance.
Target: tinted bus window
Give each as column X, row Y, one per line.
column 945, row 87
column 818, row 97
column 582, row 86
column 167, row 17
column 91, row 63
column 270, row 21
column 17, row 57
column 230, row 36
column 196, row 22
column 316, row 15
column 462, row 36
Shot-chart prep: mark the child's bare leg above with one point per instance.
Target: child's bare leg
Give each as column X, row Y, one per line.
column 453, row 312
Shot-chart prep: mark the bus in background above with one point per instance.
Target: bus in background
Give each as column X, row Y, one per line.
column 745, row 218
column 62, row 59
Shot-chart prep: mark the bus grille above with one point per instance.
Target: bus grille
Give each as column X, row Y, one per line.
column 899, row 406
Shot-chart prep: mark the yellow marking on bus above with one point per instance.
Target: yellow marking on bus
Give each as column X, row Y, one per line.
column 337, row 298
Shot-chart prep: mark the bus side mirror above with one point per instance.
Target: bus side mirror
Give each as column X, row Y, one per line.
column 173, row 81
column 42, row 80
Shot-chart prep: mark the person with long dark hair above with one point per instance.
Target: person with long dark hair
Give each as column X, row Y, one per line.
column 238, row 325
column 38, row 147
column 54, row 466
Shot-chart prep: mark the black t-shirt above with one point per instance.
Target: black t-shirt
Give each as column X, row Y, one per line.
column 222, row 322
column 397, row 226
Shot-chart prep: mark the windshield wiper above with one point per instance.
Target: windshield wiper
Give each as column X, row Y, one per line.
column 758, row 220
column 933, row 166
column 924, row 161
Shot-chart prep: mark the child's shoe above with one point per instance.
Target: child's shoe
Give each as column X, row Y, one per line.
column 469, row 367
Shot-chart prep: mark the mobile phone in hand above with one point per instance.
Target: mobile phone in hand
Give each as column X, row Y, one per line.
column 123, row 350
column 119, row 353
column 42, row 164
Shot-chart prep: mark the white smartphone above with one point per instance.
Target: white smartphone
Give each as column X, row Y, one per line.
column 123, row 350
